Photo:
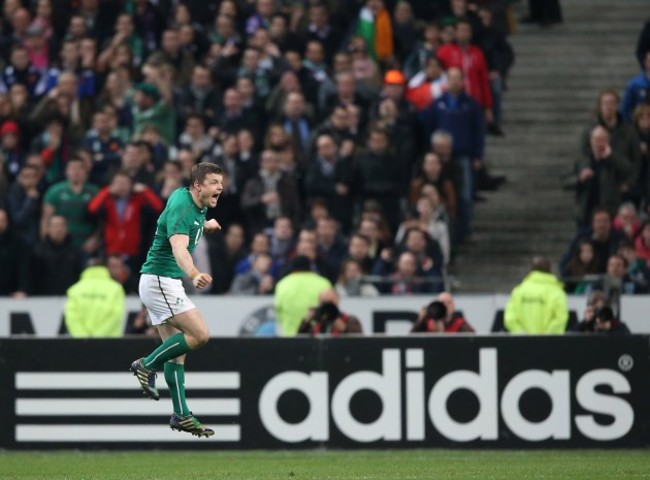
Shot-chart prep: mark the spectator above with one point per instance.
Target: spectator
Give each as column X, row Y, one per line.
column 281, row 238
column 538, row 305
column 172, row 54
column 106, row 149
column 55, row 263
column 350, row 282
column 23, row 206
column 330, row 244
column 13, row 274
column 404, row 30
column 261, row 18
column 70, row 199
column 20, row 70
column 64, row 100
column 604, row 238
column 623, row 139
column 425, row 50
column 600, row 177
column 627, row 221
column 315, row 65
column 619, row 280
column 295, row 294
column 12, row 156
column 270, row 194
column 404, row 280
column 427, row 84
column 124, row 35
column 172, row 178
column 321, row 28
column 642, row 242
column 195, row 138
column 380, row 176
column 121, row 206
column 234, row 118
column 583, row 263
column 296, row 123
column 433, row 172
column 471, row 60
column 152, row 105
column 346, row 94
column 642, row 124
column 636, row 91
column 95, row 305
column 258, row 280
column 122, row 274
column 306, row 246
column 375, row 28
column 458, row 114
column 226, row 252
column 134, row 163
column 499, row 56
column 359, row 247
column 201, row 97
column 430, row 217
column 637, row 268
column 330, row 177
column 327, row 318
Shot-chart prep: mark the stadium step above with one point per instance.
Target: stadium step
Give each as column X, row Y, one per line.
column 552, row 93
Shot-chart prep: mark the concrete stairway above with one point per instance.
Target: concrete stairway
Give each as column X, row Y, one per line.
column 552, row 89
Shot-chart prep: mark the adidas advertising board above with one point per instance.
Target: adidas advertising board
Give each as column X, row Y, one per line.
column 406, row 392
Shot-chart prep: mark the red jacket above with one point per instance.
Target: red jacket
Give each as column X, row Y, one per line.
column 471, row 61
column 122, row 236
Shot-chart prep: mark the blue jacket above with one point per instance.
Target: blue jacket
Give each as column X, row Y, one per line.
column 636, row 92
column 462, row 117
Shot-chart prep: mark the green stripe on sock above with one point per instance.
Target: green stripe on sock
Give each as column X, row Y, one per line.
column 173, row 347
column 175, row 378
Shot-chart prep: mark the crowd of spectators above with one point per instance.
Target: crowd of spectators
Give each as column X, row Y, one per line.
column 352, row 134
column 611, row 249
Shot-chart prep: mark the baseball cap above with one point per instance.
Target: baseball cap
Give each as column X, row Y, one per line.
column 148, row 89
column 9, row 127
column 394, row 77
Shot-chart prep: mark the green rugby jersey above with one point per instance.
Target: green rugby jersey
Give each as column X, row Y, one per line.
column 181, row 216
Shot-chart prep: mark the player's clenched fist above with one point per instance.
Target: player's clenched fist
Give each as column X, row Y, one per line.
column 201, row 280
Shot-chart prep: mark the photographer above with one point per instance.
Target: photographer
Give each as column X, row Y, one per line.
column 436, row 318
column 606, row 322
column 327, row 318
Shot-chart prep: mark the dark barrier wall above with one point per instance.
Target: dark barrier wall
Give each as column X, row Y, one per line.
column 486, row 392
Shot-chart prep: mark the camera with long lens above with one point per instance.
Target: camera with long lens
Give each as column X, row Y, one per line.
column 326, row 313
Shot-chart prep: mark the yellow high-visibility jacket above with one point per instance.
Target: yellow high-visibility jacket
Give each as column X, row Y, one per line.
column 295, row 294
column 95, row 305
column 537, row 305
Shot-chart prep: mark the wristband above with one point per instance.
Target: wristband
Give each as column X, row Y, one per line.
column 194, row 272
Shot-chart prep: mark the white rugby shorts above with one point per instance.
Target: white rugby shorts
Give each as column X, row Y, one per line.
column 164, row 297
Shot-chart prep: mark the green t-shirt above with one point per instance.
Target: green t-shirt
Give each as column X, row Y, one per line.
column 181, row 216
column 74, row 207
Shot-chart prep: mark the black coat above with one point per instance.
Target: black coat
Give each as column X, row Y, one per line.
column 319, row 184
column 54, row 267
column 13, row 271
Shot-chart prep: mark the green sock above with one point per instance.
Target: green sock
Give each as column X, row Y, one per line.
column 175, row 378
column 173, row 347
